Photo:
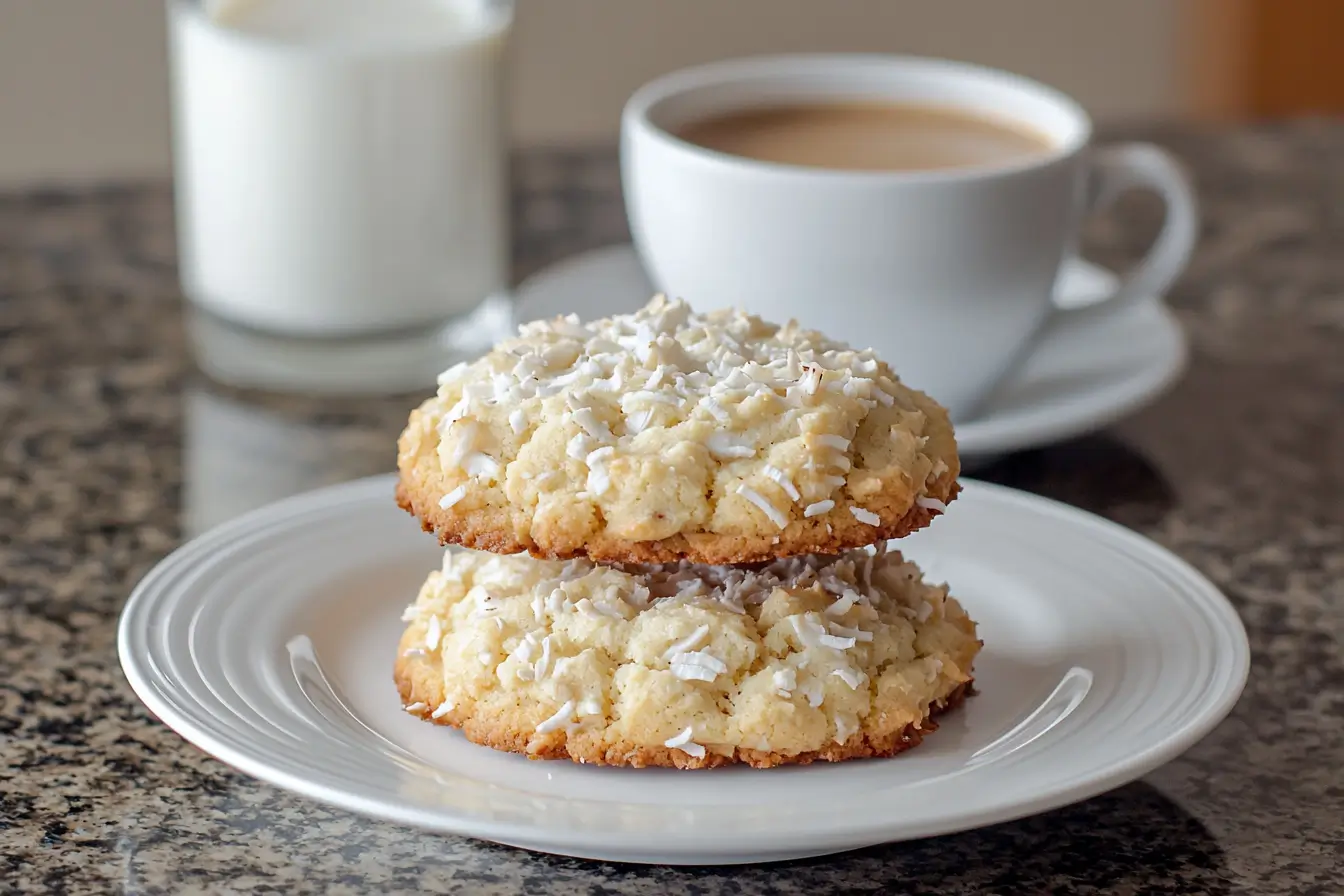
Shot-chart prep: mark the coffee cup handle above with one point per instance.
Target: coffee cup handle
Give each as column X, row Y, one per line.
column 1141, row 166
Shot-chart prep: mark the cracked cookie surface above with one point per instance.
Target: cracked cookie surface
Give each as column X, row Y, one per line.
column 804, row 659
column 666, row 435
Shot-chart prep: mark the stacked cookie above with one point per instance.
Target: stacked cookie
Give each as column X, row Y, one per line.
column 679, row 524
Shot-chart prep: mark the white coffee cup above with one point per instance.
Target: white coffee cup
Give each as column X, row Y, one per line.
column 955, row 267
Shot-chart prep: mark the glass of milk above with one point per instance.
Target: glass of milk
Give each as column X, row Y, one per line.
column 341, row 183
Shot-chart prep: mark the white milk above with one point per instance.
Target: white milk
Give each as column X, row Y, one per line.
column 340, row 163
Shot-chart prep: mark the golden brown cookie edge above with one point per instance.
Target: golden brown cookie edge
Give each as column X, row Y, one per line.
column 419, row 682
column 492, row 531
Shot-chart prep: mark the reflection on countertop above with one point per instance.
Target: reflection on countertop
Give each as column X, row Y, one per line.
column 243, row 450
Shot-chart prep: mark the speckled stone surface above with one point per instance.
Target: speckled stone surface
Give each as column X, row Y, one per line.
column 111, row 450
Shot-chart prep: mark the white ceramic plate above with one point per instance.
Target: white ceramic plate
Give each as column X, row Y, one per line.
column 1084, row 374
column 269, row 642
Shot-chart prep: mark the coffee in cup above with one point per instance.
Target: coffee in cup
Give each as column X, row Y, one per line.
column 867, row 136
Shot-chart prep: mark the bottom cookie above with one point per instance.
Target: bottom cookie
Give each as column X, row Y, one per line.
column 804, row 659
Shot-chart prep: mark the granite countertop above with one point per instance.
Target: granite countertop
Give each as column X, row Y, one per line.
column 112, row 449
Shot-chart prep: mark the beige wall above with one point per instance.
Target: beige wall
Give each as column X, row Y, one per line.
column 83, row 90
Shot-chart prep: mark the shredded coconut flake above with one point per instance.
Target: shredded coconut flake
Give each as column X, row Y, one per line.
column 544, row 663
column 579, row 446
column 600, row 455
column 819, row 508
column 813, row 691
column 523, row 652
column 433, row 633
column 931, row 503
column 453, row 374
column 444, row 708
column 562, row 664
column 562, row 717
column 765, row 506
column 416, row 707
column 836, row 641
column 842, row 604
column 453, row 497
column 479, row 465
column 599, row 481
column 556, row 601
column 849, row 676
column 811, row 379
column 589, row 422
column 865, row 516
column 846, row 724
column 633, row 398
column 517, row 420
column 723, row 444
column 688, row 643
column 639, row 421
column 466, row 441
column 718, row 411
column 684, row 743
column 569, row 325
column 808, row 631
column 830, row 440
column 845, row 631
column 699, row 665
column 782, row 480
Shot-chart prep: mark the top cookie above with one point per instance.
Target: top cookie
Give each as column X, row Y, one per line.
column 668, row 435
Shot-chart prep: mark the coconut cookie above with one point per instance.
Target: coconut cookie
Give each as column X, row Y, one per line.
column 666, row 435
column 804, row 659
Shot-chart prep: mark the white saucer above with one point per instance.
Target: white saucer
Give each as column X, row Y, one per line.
column 268, row 642
column 1084, row 375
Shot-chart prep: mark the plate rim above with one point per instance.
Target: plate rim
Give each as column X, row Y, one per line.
column 634, row 847
column 982, row 438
